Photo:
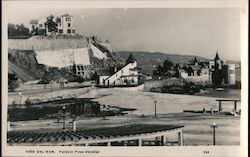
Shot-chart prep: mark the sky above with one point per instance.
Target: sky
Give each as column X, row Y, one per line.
column 186, row 31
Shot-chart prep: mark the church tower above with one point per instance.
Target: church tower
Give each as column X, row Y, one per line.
column 217, row 62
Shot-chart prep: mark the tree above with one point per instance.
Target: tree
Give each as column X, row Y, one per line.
column 168, row 69
column 18, row 31
column 51, row 24
column 158, row 71
column 167, row 65
column 12, row 82
column 177, row 72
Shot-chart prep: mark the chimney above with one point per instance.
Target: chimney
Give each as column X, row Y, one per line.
column 115, row 69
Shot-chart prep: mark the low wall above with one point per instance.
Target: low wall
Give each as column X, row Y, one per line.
column 149, row 84
column 198, row 79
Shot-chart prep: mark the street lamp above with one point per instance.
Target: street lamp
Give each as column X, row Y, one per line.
column 63, row 117
column 155, row 107
column 214, row 126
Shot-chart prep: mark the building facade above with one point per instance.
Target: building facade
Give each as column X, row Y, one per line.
column 196, row 72
column 64, row 26
column 215, row 71
column 126, row 75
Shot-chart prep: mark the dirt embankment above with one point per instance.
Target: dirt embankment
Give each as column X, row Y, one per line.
column 24, row 64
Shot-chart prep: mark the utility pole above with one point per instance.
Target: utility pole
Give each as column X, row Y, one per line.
column 155, row 107
column 214, row 126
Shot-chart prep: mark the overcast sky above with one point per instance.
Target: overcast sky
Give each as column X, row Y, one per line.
column 185, row 31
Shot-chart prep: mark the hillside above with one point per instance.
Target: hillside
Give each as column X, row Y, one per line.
column 24, row 64
column 147, row 59
column 30, row 58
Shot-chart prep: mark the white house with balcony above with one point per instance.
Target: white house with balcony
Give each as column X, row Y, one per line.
column 124, row 76
column 64, row 25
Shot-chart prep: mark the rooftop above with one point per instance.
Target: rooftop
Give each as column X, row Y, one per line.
column 66, row 15
column 195, row 67
column 86, row 135
column 131, row 59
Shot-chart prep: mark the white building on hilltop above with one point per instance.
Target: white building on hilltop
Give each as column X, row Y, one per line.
column 64, row 25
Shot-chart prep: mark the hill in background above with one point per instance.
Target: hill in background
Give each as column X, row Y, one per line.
column 151, row 59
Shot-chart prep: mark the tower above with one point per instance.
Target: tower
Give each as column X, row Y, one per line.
column 195, row 61
column 217, row 62
column 217, row 73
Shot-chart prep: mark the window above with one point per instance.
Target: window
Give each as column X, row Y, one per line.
column 60, row 30
column 40, row 25
column 69, row 24
column 69, row 30
column 68, row 18
column 73, row 31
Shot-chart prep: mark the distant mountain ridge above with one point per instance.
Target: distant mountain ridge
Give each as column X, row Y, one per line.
column 151, row 59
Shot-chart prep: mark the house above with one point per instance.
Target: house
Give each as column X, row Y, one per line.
column 64, row 25
column 38, row 26
column 126, row 75
column 215, row 71
column 195, row 72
